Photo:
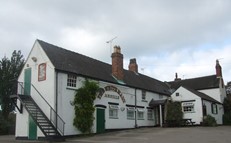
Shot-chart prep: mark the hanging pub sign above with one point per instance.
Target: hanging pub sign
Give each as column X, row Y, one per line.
column 110, row 88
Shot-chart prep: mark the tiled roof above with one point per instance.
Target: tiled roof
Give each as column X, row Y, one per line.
column 68, row 61
column 202, row 95
column 206, row 82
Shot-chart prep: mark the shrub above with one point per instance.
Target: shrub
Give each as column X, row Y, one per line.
column 4, row 125
column 174, row 114
column 209, row 121
column 227, row 118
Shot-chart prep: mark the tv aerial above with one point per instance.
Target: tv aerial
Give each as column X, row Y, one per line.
column 110, row 42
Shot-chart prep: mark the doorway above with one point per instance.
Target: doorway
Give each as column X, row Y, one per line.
column 100, row 120
column 32, row 130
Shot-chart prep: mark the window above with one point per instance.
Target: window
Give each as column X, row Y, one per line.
column 113, row 111
column 150, row 114
column 214, row 108
column 143, row 95
column 188, row 107
column 140, row 114
column 177, row 94
column 131, row 113
column 71, row 80
column 204, row 110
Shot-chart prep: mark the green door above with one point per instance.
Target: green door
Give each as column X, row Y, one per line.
column 32, row 134
column 27, row 81
column 100, row 120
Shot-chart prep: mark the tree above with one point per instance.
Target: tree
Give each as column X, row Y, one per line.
column 227, row 111
column 84, row 106
column 9, row 72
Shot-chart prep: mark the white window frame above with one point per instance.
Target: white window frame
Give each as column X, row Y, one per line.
column 131, row 111
column 71, row 81
column 188, row 107
column 143, row 95
column 150, row 114
column 113, row 111
column 214, row 108
column 140, row 112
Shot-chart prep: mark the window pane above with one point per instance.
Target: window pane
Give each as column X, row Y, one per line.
column 143, row 95
column 113, row 113
column 130, row 114
column 71, row 80
column 140, row 115
column 150, row 114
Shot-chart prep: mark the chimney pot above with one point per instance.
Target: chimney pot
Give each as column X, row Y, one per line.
column 117, row 49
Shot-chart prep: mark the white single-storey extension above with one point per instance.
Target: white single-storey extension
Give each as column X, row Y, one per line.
column 48, row 83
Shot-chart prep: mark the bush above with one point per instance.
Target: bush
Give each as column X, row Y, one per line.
column 209, row 121
column 7, row 126
column 174, row 114
column 4, row 125
column 227, row 118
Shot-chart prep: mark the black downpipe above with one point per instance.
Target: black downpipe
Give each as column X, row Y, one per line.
column 56, row 99
column 135, row 110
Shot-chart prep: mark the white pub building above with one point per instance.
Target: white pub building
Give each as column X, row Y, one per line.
column 47, row 86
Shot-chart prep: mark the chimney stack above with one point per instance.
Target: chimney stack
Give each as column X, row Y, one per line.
column 218, row 69
column 117, row 63
column 176, row 78
column 133, row 65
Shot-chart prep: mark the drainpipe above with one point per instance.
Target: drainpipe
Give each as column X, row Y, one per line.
column 135, row 110
column 56, row 99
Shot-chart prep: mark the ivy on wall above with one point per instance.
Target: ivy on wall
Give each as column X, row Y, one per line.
column 84, row 106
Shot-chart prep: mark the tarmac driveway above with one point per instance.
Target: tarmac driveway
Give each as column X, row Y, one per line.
column 221, row 134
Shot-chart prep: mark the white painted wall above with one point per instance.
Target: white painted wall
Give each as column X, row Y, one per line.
column 66, row 110
column 218, row 116
column 185, row 95
column 46, row 88
column 214, row 93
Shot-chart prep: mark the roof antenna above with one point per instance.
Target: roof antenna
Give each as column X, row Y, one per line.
column 110, row 42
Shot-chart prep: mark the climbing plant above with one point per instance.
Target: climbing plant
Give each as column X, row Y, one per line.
column 84, row 106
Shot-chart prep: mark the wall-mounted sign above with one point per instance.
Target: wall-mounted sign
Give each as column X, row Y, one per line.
column 111, row 96
column 187, row 104
column 110, row 88
column 42, row 72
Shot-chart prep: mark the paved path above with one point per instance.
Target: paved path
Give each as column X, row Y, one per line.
column 221, row 134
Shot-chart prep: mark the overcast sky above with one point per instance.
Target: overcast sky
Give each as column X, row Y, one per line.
column 165, row 36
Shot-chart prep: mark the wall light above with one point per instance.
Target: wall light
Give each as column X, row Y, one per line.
column 34, row 59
